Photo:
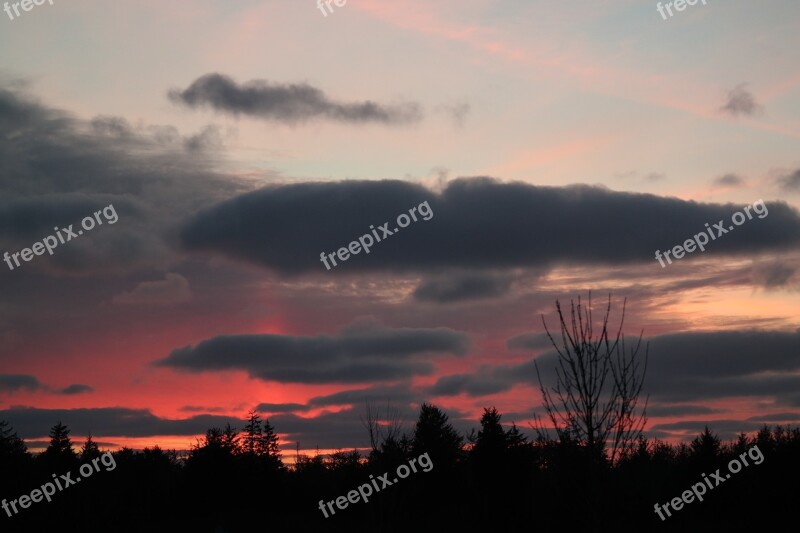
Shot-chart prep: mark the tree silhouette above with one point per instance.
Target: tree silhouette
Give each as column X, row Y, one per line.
column 267, row 445
column 706, row 446
column 259, row 441
column 433, row 434
column 497, row 463
column 251, row 434
column 388, row 443
column 503, row 484
column 11, row 446
column 14, row 459
column 59, row 453
column 217, row 443
column 594, row 401
column 90, row 450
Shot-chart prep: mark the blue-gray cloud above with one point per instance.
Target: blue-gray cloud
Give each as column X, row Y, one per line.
column 477, row 223
column 359, row 354
column 286, row 102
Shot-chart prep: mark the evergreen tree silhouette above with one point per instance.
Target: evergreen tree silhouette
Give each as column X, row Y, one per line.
column 89, row 450
column 433, row 434
column 11, row 446
column 59, row 454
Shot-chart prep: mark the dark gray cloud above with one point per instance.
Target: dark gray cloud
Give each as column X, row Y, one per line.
column 30, row 422
column 11, row 383
column 174, row 288
column 361, row 353
column 529, row 341
column 76, row 388
column 458, row 287
column 710, row 388
column 286, row 102
column 725, row 353
column 17, row 382
column 208, row 140
column 710, row 366
column 729, row 180
column 777, row 417
column 58, row 169
column 725, row 429
column 345, row 429
column 471, row 384
column 682, row 367
column 741, row 102
column 678, row 410
column 773, row 275
column 790, row 182
column 477, row 223
column 378, row 395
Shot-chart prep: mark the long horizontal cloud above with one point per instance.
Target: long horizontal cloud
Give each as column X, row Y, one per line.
column 682, row 367
column 330, row 430
column 362, row 353
column 529, row 341
column 476, row 223
column 285, row 102
column 456, row 287
column 109, row 421
column 725, row 428
column 345, row 429
column 11, row 383
column 17, row 382
column 378, row 396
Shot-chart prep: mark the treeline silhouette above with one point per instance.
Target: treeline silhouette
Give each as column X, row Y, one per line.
column 495, row 479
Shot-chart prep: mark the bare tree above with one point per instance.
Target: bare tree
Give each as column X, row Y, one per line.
column 598, row 383
column 380, row 434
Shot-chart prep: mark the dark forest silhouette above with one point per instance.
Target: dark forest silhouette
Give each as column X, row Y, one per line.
column 494, row 479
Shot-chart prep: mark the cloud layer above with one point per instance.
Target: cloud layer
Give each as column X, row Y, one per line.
column 477, row 223
column 359, row 354
column 289, row 103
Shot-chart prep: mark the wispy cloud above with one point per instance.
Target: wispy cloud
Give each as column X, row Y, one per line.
column 741, row 102
column 790, row 182
column 290, row 103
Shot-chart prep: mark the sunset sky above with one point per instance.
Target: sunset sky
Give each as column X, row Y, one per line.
column 558, row 145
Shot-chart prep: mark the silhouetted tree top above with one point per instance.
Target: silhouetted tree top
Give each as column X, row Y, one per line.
column 89, row 450
column 10, row 444
column 60, row 443
column 598, row 383
column 435, row 435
